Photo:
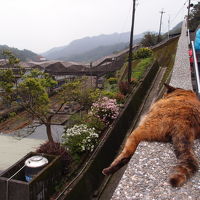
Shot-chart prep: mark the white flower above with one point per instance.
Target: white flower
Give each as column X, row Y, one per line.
column 80, row 138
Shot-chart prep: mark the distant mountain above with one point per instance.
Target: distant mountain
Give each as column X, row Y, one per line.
column 90, row 48
column 96, row 53
column 176, row 29
column 23, row 55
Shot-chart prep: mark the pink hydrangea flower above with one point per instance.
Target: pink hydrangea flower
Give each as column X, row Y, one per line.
column 106, row 109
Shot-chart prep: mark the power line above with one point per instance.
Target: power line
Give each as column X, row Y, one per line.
column 178, row 12
column 126, row 19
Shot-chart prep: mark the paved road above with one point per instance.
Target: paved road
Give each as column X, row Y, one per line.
column 13, row 148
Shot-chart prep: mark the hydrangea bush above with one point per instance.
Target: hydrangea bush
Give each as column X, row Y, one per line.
column 106, row 109
column 80, row 139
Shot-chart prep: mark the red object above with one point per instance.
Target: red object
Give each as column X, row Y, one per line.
column 191, row 56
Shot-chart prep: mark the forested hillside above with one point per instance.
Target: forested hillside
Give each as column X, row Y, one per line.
column 23, row 55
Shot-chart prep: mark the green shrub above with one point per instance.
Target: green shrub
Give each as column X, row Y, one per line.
column 108, row 94
column 95, row 94
column 142, row 53
column 95, row 122
column 12, row 114
column 75, row 119
column 112, row 80
column 87, row 119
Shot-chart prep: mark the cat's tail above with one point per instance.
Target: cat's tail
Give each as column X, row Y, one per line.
column 126, row 154
column 187, row 161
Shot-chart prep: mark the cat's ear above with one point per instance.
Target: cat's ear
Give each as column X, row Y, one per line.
column 169, row 88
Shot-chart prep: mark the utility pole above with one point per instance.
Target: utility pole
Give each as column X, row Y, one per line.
column 130, row 56
column 168, row 26
column 91, row 77
column 161, row 12
column 188, row 14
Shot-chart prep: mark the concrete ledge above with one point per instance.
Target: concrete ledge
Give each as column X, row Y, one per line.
column 181, row 75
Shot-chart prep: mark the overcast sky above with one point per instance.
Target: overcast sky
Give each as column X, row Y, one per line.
column 39, row 25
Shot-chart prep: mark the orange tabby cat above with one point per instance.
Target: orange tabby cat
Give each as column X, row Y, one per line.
column 176, row 118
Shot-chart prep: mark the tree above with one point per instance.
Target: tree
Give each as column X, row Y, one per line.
column 33, row 95
column 8, row 78
column 194, row 19
column 78, row 91
column 12, row 60
column 31, row 92
column 7, row 81
column 149, row 39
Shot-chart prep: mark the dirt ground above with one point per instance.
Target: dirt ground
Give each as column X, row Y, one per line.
column 14, row 123
column 24, row 119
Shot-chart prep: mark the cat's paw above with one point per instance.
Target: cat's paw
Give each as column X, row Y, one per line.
column 106, row 171
column 110, row 170
column 114, row 167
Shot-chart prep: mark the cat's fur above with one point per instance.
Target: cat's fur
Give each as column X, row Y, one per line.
column 176, row 118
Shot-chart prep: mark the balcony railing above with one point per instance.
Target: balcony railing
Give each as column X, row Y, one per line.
column 196, row 69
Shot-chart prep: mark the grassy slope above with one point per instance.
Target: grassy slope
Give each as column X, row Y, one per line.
column 164, row 54
column 139, row 69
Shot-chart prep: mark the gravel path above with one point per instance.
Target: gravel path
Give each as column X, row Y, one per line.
column 146, row 176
